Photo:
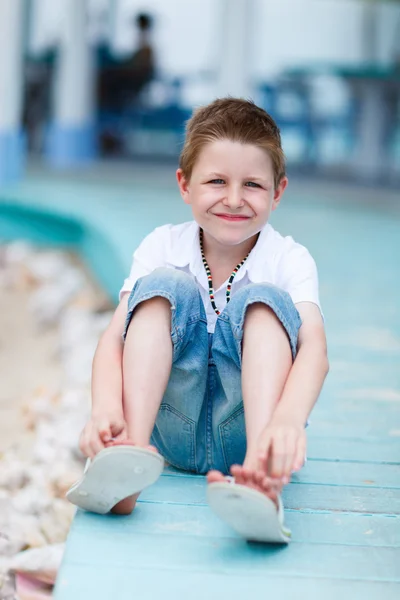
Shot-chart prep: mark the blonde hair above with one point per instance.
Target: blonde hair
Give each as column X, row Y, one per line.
column 236, row 120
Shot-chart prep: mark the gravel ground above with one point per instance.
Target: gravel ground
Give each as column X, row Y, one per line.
column 28, row 362
column 51, row 317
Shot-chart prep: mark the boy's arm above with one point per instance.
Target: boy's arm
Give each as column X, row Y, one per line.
column 309, row 370
column 283, row 442
column 107, row 418
column 107, row 365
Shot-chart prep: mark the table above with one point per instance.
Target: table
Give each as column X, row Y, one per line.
column 376, row 90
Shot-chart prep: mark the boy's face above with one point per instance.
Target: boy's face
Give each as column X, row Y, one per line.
column 231, row 190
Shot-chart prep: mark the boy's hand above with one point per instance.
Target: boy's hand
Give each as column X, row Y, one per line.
column 100, row 430
column 282, row 448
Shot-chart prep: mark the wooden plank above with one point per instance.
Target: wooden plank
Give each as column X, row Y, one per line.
column 383, row 412
column 342, row 498
column 369, row 427
column 359, row 450
column 319, row 472
column 192, row 490
column 84, row 582
column 231, row 555
column 310, row 527
column 349, row 473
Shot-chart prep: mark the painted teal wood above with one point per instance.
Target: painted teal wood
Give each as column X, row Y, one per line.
column 378, row 451
column 132, row 584
column 341, row 473
column 367, row 499
column 320, row 472
column 233, row 556
column 307, row 526
column 344, row 506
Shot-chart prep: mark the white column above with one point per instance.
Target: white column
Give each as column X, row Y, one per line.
column 12, row 146
column 72, row 135
column 375, row 117
column 369, row 32
column 235, row 48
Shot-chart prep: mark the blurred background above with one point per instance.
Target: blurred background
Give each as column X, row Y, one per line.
column 94, row 95
column 90, row 79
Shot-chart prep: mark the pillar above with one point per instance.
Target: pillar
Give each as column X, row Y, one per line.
column 72, row 133
column 235, row 48
column 12, row 141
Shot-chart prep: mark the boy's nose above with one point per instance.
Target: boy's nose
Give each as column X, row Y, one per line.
column 234, row 199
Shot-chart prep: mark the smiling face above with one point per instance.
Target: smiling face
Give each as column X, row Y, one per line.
column 231, row 191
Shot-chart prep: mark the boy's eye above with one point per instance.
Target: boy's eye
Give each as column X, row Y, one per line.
column 248, row 183
column 252, row 184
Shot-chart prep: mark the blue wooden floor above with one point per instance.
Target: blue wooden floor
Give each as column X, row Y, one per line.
column 344, row 507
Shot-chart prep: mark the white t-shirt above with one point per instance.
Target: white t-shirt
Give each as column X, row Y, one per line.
column 274, row 259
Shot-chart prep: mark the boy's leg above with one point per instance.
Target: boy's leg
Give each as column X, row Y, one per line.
column 255, row 340
column 266, row 362
column 147, row 343
column 165, row 314
column 147, row 362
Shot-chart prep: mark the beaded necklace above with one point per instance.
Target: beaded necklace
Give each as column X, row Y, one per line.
column 209, row 278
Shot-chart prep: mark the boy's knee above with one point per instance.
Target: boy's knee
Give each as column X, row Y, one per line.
column 261, row 293
column 178, row 288
column 263, row 296
column 169, row 280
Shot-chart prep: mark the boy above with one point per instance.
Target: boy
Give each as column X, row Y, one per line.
column 217, row 351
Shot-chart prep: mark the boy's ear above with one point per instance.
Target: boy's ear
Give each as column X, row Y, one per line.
column 278, row 193
column 183, row 186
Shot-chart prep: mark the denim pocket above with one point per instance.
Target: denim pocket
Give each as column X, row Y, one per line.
column 233, row 438
column 174, row 437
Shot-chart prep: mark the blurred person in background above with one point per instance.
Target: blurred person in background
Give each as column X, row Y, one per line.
column 39, row 76
column 119, row 84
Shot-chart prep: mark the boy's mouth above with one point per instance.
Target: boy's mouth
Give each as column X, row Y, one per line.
column 229, row 217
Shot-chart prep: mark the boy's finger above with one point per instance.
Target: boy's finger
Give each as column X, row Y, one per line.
column 289, row 458
column 117, row 428
column 96, row 445
column 84, row 441
column 121, row 437
column 84, row 447
column 278, row 457
column 105, row 432
column 300, row 454
column 263, row 453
